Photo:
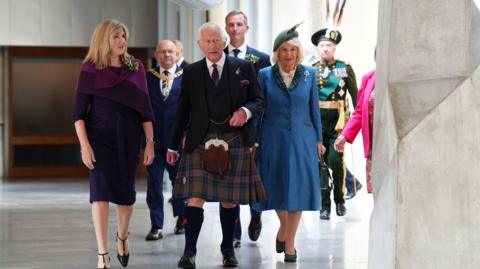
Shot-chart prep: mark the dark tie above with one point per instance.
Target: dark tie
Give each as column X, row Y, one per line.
column 236, row 52
column 215, row 76
column 165, row 83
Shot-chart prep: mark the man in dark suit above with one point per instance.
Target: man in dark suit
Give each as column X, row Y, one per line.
column 180, row 59
column 164, row 89
column 220, row 95
column 236, row 25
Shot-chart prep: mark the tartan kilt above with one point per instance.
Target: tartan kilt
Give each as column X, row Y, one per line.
column 241, row 184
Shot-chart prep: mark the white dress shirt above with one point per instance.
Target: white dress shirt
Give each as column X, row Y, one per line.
column 241, row 54
column 165, row 92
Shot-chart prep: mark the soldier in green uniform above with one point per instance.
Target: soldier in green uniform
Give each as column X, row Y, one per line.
column 335, row 78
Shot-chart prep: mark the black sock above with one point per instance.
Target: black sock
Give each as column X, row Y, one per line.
column 193, row 220
column 227, row 219
column 255, row 215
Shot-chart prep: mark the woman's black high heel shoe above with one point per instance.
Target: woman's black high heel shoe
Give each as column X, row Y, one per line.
column 123, row 259
column 105, row 264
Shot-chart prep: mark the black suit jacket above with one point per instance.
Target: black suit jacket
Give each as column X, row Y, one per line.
column 264, row 60
column 184, row 64
column 193, row 108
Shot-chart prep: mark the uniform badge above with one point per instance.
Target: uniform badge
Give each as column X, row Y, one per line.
column 341, row 83
column 341, row 93
column 341, row 72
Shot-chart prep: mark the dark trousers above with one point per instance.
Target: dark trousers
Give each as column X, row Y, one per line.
column 333, row 159
column 237, row 232
column 155, row 189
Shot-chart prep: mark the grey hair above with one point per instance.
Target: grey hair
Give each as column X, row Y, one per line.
column 295, row 42
column 212, row 26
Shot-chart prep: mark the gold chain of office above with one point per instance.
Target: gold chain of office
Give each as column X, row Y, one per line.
column 163, row 76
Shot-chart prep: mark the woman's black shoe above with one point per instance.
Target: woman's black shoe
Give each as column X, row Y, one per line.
column 290, row 257
column 279, row 245
column 106, row 261
column 123, row 259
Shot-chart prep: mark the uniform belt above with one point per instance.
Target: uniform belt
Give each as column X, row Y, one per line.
column 329, row 104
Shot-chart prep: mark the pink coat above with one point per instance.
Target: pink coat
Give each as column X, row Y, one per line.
column 360, row 117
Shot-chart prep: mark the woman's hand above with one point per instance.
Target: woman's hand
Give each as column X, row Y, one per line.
column 148, row 154
column 321, row 149
column 339, row 144
column 88, row 157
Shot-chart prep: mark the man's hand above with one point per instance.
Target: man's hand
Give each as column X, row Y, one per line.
column 172, row 157
column 239, row 118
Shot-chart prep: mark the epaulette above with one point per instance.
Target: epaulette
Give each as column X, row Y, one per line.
column 345, row 62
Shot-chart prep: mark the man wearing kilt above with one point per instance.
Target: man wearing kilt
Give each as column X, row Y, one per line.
column 220, row 95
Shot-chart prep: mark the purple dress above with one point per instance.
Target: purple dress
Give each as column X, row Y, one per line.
column 114, row 129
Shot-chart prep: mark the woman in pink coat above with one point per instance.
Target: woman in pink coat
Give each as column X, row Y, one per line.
column 362, row 118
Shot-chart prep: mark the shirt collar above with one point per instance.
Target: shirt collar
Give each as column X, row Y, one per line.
column 242, row 48
column 171, row 70
column 220, row 63
column 179, row 62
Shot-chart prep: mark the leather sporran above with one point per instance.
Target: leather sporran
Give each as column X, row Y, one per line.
column 215, row 156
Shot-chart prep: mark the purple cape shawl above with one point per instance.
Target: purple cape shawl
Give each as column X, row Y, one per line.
column 126, row 87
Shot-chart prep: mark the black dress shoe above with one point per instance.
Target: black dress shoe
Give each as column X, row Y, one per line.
column 187, row 261
column 154, row 234
column 229, row 259
column 237, row 243
column 179, row 227
column 325, row 213
column 254, row 229
column 341, row 210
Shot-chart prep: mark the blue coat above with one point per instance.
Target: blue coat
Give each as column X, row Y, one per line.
column 288, row 135
column 163, row 109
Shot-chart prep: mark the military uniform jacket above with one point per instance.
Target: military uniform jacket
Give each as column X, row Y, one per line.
column 334, row 79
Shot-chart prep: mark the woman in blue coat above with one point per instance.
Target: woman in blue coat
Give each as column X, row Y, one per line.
column 290, row 138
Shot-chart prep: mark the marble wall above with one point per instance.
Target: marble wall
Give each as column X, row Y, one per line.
column 426, row 145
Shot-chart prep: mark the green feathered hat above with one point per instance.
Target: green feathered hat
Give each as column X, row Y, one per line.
column 284, row 36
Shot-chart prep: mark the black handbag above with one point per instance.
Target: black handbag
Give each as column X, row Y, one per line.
column 325, row 177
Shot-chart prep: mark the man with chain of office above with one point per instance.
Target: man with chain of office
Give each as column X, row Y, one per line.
column 335, row 78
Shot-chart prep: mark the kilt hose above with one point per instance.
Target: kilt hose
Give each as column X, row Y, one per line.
column 241, row 184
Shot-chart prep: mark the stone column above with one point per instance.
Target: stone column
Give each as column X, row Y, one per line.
column 426, row 149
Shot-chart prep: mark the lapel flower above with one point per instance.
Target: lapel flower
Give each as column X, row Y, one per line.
column 252, row 58
column 131, row 63
column 306, row 74
column 238, row 71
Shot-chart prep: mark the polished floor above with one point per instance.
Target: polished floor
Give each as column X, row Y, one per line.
column 47, row 224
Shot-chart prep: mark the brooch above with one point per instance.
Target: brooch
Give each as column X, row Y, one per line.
column 306, row 74
column 131, row 63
